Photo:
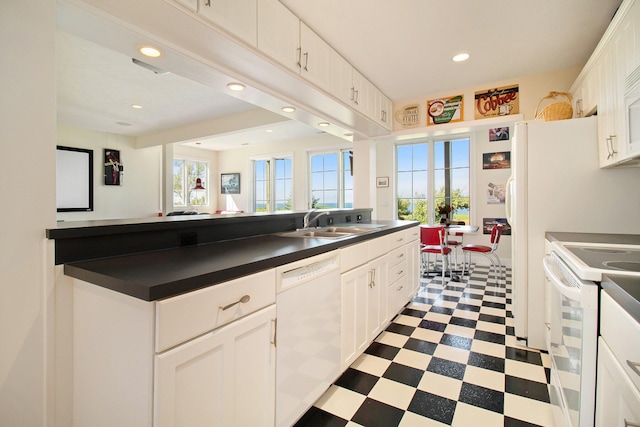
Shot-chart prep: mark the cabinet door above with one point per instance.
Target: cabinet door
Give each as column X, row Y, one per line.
column 354, row 286
column 223, row 378
column 607, row 148
column 617, row 400
column 362, row 94
column 413, row 269
column 238, row 17
column 315, row 60
column 279, row 33
column 377, row 296
column 341, row 78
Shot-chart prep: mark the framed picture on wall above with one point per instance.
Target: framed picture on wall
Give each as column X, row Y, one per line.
column 230, row 183
column 488, row 223
column 112, row 167
column 499, row 134
column 74, row 179
column 382, row 181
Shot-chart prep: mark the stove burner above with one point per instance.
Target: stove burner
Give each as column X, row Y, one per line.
column 606, row 250
column 621, row 265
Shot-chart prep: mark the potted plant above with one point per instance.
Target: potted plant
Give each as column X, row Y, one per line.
column 444, row 211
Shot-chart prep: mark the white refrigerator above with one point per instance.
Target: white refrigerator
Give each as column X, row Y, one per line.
column 557, row 185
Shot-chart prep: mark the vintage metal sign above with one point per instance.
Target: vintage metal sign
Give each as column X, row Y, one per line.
column 445, row 110
column 501, row 101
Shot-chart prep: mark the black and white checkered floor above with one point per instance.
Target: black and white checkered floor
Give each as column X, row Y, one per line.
column 449, row 358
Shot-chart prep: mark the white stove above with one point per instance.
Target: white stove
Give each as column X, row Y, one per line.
column 590, row 261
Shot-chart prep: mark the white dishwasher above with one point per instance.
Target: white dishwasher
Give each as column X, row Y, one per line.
column 308, row 333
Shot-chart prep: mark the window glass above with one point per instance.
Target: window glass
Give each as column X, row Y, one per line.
column 444, row 182
column 185, row 175
column 331, row 180
column 272, row 184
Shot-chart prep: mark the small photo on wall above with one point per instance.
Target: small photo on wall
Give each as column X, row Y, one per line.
column 495, row 194
column 499, row 134
column 501, row 160
column 488, row 223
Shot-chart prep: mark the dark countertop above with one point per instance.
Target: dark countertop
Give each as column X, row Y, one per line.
column 165, row 273
column 625, row 291
column 619, row 239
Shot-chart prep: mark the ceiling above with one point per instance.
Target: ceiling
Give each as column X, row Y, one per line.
column 404, row 47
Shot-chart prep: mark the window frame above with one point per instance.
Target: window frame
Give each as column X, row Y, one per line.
column 430, row 171
column 340, row 179
column 206, row 182
column 272, row 178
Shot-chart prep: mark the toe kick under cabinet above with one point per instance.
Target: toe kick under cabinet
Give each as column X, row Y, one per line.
column 202, row 358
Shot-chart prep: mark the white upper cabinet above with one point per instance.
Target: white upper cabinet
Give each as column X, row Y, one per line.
column 341, row 78
column 238, row 17
column 286, row 39
column 279, row 33
column 315, row 58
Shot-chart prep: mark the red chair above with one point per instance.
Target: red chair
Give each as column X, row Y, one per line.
column 488, row 251
column 432, row 241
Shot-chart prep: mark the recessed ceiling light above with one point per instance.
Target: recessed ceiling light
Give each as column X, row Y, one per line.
column 460, row 57
column 324, row 124
column 136, row 106
column 288, row 109
column 149, row 51
column 236, row 87
column 269, row 130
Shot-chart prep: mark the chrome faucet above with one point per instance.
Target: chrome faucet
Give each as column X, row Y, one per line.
column 306, row 220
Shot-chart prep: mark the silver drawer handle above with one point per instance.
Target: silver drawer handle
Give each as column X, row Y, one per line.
column 400, row 272
column 628, row 424
column 634, row 366
column 244, row 299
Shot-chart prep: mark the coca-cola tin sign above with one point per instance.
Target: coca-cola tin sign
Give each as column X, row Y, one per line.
column 501, row 101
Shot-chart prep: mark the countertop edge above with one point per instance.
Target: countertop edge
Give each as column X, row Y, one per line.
column 105, row 272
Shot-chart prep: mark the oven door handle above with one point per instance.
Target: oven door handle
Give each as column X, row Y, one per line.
column 558, row 282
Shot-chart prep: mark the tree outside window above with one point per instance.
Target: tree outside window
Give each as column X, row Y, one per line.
column 185, row 174
column 433, row 173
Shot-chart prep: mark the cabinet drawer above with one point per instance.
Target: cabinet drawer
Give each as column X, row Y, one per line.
column 379, row 246
column 186, row 316
column 397, row 239
column 354, row 256
column 616, row 326
column 397, row 271
column 412, row 234
column 397, row 255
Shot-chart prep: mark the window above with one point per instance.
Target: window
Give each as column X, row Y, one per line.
column 433, row 173
column 331, row 180
column 185, row 174
column 272, row 185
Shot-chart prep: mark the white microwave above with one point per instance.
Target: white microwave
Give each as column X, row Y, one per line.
column 632, row 110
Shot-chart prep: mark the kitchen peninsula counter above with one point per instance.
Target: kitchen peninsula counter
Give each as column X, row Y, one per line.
column 156, row 274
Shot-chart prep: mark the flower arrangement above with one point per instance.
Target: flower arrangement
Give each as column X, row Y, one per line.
column 444, row 209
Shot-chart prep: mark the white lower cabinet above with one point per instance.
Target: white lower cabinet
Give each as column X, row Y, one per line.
column 363, row 295
column 618, row 381
column 373, row 292
column 617, row 400
column 204, row 358
column 223, row 378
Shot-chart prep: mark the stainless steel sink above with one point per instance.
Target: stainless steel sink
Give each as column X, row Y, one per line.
column 330, row 232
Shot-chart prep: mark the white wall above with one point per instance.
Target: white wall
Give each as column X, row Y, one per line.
column 531, row 90
column 27, row 135
column 239, row 160
column 139, row 194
